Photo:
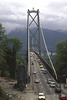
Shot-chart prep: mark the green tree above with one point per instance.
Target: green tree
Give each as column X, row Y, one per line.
column 61, row 58
column 2, row 31
column 3, row 67
column 19, row 60
column 2, row 61
column 11, row 46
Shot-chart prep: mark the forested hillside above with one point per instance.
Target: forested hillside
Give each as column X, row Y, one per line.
column 51, row 37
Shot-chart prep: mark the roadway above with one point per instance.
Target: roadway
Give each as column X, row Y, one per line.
column 42, row 86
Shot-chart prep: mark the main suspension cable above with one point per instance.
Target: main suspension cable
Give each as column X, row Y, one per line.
column 47, row 51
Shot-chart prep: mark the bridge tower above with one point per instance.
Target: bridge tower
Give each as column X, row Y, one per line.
column 33, row 36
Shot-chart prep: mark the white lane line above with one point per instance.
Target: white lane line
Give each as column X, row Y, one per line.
column 44, row 92
column 50, row 89
column 41, row 87
column 46, row 99
column 48, row 85
column 40, row 82
column 54, row 94
column 45, row 80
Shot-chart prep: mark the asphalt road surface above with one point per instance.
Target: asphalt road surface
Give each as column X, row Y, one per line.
column 42, row 86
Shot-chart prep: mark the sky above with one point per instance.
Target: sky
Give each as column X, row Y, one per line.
column 53, row 13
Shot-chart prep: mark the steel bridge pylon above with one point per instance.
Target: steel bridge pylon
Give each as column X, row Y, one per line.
column 33, row 37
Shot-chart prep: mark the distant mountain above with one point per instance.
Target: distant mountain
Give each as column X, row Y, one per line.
column 51, row 37
column 21, row 34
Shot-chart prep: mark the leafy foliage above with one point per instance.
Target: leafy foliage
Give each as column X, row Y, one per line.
column 61, row 58
column 2, row 61
column 3, row 95
column 10, row 48
column 2, row 30
column 19, row 60
column 9, row 57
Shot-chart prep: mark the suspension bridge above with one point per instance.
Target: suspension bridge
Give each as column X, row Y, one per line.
column 34, row 41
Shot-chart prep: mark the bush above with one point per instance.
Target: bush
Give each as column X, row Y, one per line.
column 3, row 95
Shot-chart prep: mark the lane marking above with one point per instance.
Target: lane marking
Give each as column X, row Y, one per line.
column 50, row 89
column 45, row 80
column 40, row 82
column 54, row 94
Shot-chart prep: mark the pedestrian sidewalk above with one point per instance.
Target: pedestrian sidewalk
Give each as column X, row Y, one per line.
column 64, row 89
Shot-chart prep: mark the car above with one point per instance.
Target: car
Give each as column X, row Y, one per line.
column 44, row 71
column 65, row 86
column 49, row 81
column 57, row 89
column 32, row 63
column 52, row 84
column 36, row 81
column 63, row 97
column 34, row 72
column 40, row 63
column 41, row 66
column 38, row 60
column 31, row 58
column 41, row 96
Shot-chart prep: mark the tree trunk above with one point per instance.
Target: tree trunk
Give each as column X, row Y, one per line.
column 13, row 66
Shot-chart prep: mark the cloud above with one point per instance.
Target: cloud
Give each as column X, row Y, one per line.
column 53, row 13
column 58, row 8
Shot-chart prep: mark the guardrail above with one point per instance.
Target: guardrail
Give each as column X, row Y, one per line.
column 48, row 67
